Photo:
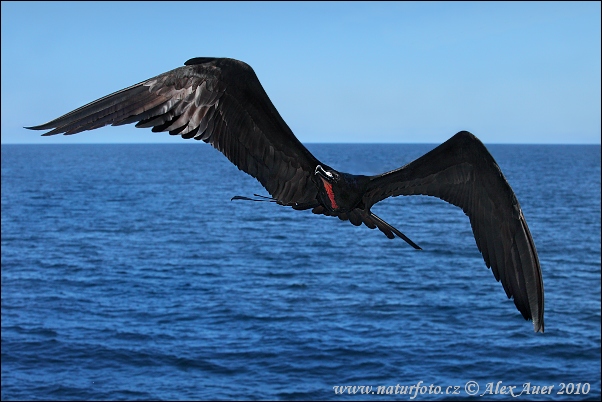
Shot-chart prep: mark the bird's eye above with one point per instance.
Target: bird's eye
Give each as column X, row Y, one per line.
column 329, row 174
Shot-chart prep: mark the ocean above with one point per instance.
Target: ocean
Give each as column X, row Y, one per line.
column 127, row 273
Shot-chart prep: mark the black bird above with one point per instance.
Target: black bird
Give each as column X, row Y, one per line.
column 221, row 101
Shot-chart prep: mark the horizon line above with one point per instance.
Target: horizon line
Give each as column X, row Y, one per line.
column 304, row 143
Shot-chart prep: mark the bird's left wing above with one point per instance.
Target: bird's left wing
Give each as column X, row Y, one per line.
column 219, row 101
column 462, row 172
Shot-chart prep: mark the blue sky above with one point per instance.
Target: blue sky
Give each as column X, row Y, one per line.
column 337, row 72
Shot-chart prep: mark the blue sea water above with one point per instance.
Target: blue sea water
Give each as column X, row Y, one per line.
column 127, row 273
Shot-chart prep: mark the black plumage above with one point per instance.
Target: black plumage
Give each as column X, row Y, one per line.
column 221, row 102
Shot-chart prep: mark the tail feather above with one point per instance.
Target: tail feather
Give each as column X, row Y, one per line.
column 388, row 230
column 356, row 217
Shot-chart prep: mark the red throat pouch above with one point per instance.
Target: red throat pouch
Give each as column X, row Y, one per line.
column 330, row 193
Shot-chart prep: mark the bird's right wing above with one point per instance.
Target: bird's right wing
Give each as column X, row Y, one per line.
column 219, row 101
column 462, row 172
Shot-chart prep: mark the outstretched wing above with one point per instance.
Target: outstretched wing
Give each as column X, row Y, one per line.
column 221, row 102
column 462, row 172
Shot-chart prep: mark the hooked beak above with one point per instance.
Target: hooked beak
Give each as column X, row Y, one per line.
column 323, row 173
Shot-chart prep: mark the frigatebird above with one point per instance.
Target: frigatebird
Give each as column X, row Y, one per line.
column 222, row 102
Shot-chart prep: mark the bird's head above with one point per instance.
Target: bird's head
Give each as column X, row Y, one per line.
column 329, row 175
column 327, row 180
column 339, row 192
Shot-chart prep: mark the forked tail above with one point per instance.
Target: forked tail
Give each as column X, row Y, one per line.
column 371, row 220
column 387, row 229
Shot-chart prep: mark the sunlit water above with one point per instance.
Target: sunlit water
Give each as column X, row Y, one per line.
column 127, row 273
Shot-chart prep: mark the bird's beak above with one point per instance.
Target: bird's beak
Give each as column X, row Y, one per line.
column 320, row 171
